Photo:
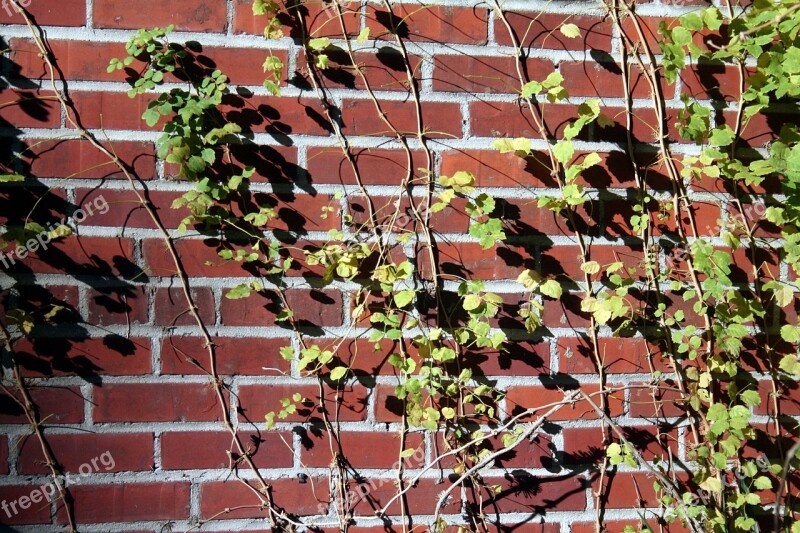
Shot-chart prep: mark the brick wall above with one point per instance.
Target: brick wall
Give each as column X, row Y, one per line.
column 114, row 376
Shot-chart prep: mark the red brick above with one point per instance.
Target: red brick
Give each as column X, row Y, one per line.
column 707, row 81
column 303, row 499
column 48, row 12
column 590, row 79
column 312, row 307
column 194, row 450
column 111, row 452
column 112, row 355
column 493, row 169
column 127, row 305
column 501, row 119
column 765, row 261
column 321, row 21
column 618, row 526
column 199, row 259
column 630, row 491
column 520, row 398
column 619, row 355
column 73, row 158
column 530, row 527
column 523, row 218
column 255, row 401
column 28, row 108
column 470, row 260
column 481, row 74
column 565, row 312
column 299, row 212
column 363, row 450
column 33, row 298
column 534, row 452
column 22, row 205
column 88, row 61
column 130, row 502
column 585, row 445
column 518, row 358
column 388, row 408
column 443, row 24
column 650, row 25
column 125, row 210
column 35, row 513
column 240, row 64
column 788, row 399
column 525, row 493
column 277, row 116
column 440, row 119
column 77, row 255
column 111, row 111
column 374, row 494
column 384, row 70
column 567, row 260
column 452, row 219
column 186, row 15
column 706, row 216
column 235, row 356
column 57, row 405
column 540, row 30
column 666, row 403
column 752, row 214
column 156, row 402
column 172, row 308
column 761, row 129
column 377, row 166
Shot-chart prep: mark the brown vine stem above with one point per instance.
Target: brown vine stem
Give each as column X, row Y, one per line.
column 679, row 190
column 264, row 491
column 557, row 174
column 750, row 229
column 739, row 126
column 665, row 482
column 642, row 186
column 679, row 195
column 532, row 427
column 31, row 411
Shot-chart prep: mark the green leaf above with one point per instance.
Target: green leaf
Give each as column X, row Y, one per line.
column 238, row 292
column 338, row 373
column 762, row 483
column 363, row 36
column 681, row 36
column 751, row 398
column 571, row 31
column 791, row 61
column 551, row 288
column 564, row 151
column 319, row 43
column 531, row 88
column 6, row 178
column 553, row 80
column 472, row 302
column 403, row 298
column 722, row 136
column 591, row 267
column 287, row 353
column 790, row 333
